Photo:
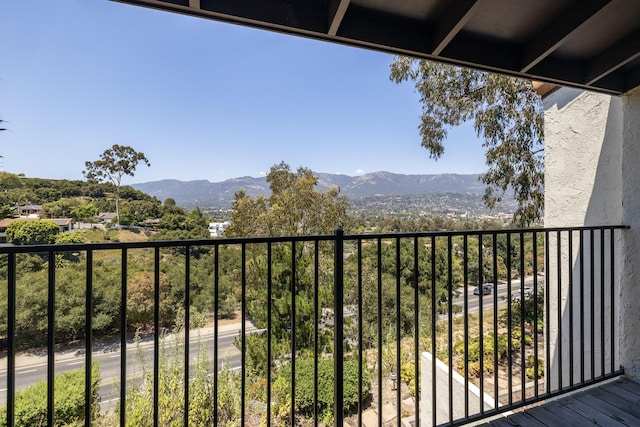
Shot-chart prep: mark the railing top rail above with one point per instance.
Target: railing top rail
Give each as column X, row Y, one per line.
column 480, row 232
column 8, row 249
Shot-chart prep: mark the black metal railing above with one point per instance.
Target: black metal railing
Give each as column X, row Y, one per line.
column 440, row 328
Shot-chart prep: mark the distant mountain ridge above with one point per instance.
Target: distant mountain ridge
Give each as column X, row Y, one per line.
column 204, row 193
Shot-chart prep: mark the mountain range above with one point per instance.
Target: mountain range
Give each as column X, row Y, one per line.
column 204, row 193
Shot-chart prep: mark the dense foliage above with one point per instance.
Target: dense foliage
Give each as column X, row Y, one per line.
column 305, row 384
column 32, row 232
column 31, row 403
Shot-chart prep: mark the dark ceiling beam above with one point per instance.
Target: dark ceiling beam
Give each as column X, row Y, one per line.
column 337, row 9
column 554, row 35
column 620, row 54
column 469, row 51
column 632, row 79
column 451, row 23
column 362, row 27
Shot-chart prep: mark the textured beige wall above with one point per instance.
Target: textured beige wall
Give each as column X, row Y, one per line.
column 630, row 265
column 583, row 186
column 583, row 159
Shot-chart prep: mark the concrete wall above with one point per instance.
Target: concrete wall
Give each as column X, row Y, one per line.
column 583, row 156
column 583, row 181
column 630, row 268
column 592, row 160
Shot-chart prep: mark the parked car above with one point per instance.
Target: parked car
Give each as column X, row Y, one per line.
column 486, row 289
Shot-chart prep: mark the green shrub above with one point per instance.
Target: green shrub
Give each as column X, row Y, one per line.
column 71, row 237
column 473, row 356
column 140, row 403
column 32, row 232
column 531, row 367
column 305, row 388
column 31, row 403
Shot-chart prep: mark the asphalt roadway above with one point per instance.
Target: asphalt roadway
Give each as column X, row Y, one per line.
column 31, row 368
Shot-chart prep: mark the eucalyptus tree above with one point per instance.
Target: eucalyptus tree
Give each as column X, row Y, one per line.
column 294, row 208
column 115, row 163
column 507, row 114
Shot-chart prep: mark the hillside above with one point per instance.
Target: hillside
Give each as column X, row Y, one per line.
column 378, row 184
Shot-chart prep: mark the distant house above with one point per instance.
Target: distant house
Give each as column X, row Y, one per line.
column 30, row 210
column 65, row 225
column 4, row 223
column 216, row 229
column 106, row 217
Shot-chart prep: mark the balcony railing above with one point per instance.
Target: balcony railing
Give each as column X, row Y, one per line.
column 433, row 328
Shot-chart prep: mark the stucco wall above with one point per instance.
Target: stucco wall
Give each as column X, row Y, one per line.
column 583, row 186
column 630, row 265
column 583, row 158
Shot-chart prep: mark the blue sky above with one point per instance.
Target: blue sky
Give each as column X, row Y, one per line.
column 201, row 99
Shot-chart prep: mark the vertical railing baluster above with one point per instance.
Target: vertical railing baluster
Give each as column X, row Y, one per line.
column 51, row 323
column 547, row 314
column 360, row 337
column 602, row 297
column 379, row 301
column 416, row 326
column 398, row 334
column 481, row 321
column 243, row 334
column 11, row 339
column 612, row 243
column 509, row 324
column 523, row 359
column 582, row 343
column 449, row 324
column 216, row 331
column 269, row 323
column 494, row 250
column 465, row 249
column 434, row 319
column 570, row 303
column 156, row 337
column 187, row 321
column 88, row 336
column 559, row 309
column 338, row 333
column 123, row 337
column 535, row 315
column 316, row 324
column 593, row 303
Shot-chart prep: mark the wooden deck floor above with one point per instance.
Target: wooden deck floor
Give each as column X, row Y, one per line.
column 612, row 404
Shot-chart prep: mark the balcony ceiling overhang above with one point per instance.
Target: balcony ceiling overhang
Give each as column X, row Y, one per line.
column 591, row 44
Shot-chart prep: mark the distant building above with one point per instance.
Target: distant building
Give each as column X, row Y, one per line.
column 106, row 218
column 216, row 229
column 65, row 225
column 30, row 210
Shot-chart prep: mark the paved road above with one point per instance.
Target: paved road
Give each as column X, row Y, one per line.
column 31, row 369
column 473, row 301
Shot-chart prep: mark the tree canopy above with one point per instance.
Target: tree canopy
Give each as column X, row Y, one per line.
column 506, row 112
column 32, row 232
column 114, row 163
column 294, row 207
